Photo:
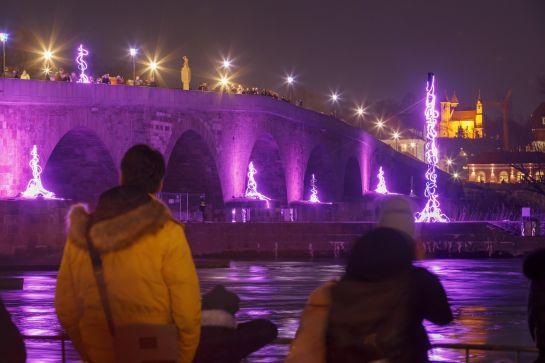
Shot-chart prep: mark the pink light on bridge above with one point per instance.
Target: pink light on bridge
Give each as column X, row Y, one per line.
column 432, row 211
column 82, row 65
column 34, row 187
column 313, row 190
column 251, row 187
column 381, row 187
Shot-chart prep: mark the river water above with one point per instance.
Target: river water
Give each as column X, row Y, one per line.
column 488, row 298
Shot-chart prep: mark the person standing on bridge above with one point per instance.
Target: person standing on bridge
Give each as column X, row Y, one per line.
column 534, row 270
column 127, row 270
column 375, row 312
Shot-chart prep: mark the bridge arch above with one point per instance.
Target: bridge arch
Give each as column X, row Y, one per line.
column 271, row 174
column 80, row 167
column 192, row 168
column 352, row 189
column 320, row 163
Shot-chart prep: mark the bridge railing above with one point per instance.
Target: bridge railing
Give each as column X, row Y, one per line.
column 516, row 350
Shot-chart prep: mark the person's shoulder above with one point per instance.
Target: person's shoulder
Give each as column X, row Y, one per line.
column 322, row 294
column 420, row 275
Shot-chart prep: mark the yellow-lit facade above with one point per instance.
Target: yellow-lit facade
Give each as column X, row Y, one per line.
column 463, row 124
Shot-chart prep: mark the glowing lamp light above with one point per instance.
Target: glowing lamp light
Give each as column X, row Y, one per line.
column 4, row 37
column 334, row 97
column 226, row 63
column 133, row 52
column 314, row 190
column 82, row 65
column 47, row 71
column 153, row 66
column 290, row 80
column 396, row 135
column 224, row 81
column 48, row 55
column 432, row 211
column 380, row 124
column 381, row 187
column 413, row 145
column 455, row 175
column 449, row 162
column 251, row 187
column 360, row 111
column 34, row 187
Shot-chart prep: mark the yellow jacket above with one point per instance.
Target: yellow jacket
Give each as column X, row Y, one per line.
column 149, row 272
column 309, row 343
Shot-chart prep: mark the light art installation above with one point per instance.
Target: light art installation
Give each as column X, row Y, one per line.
column 34, row 187
column 82, row 65
column 381, row 187
column 432, row 211
column 251, row 187
column 313, row 190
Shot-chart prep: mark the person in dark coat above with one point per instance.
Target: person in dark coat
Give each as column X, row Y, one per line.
column 12, row 346
column 222, row 339
column 534, row 270
column 376, row 311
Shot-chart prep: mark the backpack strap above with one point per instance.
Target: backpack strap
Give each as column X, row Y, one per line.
column 98, row 272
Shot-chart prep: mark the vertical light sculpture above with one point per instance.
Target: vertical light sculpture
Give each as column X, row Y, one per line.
column 251, row 187
column 381, row 187
column 82, row 65
column 314, row 190
column 34, row 187
column 432, row 211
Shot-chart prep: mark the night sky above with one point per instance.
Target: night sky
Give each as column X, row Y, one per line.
column 368, row 50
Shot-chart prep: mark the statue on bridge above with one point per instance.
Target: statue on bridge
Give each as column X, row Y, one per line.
column 186, row 74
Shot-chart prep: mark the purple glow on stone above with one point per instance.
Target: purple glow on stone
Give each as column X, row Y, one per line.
column 313, row 190
column 381, row 187
column 251, row 188
column 82, row 65
column 432, row 211
column 34, row 187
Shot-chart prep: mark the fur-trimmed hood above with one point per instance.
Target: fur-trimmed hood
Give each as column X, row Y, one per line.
column 122, row 217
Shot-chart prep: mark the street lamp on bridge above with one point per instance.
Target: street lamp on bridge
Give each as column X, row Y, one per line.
column 290, row 80
column 133, row 53
column 4, row 38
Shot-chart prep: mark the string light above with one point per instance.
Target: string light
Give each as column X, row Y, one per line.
column 381, row 187
column 34, row 187
column 432, row 211
column 313, row 190
column 251, row 187
column 82, row 65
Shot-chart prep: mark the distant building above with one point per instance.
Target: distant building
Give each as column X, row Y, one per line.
column 505, row 166
column 411, row 142
column 461, row 123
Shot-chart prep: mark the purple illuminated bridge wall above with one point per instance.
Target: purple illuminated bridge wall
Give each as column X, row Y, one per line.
column 208, row 139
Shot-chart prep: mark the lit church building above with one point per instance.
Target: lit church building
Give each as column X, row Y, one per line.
column 466, row 124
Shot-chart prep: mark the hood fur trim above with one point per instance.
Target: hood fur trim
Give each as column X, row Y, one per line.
column 218, row 318
column 120, row 231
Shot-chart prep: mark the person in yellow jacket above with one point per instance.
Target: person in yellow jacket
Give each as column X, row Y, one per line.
column 148, row 269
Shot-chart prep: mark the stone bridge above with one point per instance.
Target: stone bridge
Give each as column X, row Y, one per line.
column 207, row 138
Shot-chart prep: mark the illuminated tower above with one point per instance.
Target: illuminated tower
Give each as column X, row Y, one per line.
column 446, row 113
column 479, row 117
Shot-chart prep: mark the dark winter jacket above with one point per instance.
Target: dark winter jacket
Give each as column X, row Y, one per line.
column 12, row 347
column 534, row 269
column 393, row 309
column 222, row 340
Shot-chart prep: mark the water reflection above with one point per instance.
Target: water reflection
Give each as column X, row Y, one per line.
column 488, row 298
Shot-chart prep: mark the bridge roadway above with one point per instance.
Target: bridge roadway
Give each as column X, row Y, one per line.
column 208, row 139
